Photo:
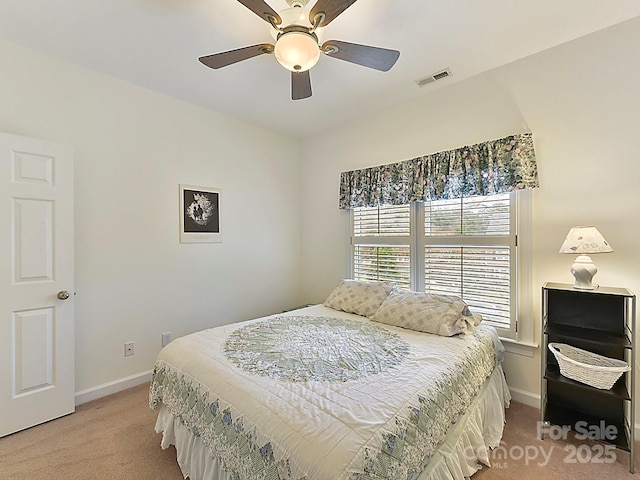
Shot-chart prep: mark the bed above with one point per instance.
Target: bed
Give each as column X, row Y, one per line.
column 320, row 393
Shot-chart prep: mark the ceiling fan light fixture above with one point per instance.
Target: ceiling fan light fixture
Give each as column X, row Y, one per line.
column 297, row 51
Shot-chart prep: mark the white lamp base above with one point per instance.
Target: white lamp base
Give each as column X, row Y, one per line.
column 583, row 270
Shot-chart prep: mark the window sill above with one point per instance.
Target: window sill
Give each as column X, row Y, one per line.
column 526, row 349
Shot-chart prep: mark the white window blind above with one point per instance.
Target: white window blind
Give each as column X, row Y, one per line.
column 381, row 244
column 469, row 216
column 464, row 247
column 470, row 252
column 480, row 276
column 385, row 220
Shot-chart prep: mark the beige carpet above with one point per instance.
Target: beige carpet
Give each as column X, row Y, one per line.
column 113, row 438
column 529, row 458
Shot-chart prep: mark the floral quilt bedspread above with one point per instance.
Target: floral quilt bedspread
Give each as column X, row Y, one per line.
column 318, row 394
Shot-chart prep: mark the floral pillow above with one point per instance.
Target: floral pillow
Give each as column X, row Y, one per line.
column 438, row 314
column 361, row 298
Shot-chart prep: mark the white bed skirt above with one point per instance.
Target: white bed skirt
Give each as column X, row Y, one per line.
column 464, row 449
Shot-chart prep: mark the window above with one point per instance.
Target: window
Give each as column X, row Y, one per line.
column 465, row 247
column 382, row 244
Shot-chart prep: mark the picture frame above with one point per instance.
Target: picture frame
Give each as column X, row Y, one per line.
column 199, row 214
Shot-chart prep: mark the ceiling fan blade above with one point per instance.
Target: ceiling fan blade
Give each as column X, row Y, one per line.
column 373, row 57
column 330, row 8
column 300, row 85
column 219, row 60
column 263, row 10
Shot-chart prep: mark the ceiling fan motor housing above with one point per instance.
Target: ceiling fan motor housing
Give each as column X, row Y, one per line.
column 297, row 3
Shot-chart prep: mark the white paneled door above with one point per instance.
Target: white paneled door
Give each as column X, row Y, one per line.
column 36, row 282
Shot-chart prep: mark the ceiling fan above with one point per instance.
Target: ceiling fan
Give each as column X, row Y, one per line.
column 297, row 33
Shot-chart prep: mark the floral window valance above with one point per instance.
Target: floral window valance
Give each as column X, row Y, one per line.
column 487, row 168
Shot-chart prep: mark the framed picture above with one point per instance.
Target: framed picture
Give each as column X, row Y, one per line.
column 199, row 214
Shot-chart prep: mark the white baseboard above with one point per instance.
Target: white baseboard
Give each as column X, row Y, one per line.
column 109, row 388
column 522, row 396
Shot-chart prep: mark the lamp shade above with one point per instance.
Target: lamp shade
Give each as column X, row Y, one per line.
column 584, row 241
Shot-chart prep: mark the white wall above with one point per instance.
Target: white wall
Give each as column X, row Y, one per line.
column 133, row 147
column 134, row 280
column 581, row 101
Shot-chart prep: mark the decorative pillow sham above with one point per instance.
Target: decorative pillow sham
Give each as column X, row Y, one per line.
column 361, row 298
column 438, row 314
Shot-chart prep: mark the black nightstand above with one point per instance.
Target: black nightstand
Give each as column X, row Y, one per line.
column 297, row 308
column 601, row 321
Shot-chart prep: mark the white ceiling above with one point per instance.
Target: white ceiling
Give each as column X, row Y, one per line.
column 156, row 44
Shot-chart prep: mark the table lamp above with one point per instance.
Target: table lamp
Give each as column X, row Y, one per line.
column 584, row 241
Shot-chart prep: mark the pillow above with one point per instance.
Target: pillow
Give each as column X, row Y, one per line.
column 438, row 314
column 361, row 298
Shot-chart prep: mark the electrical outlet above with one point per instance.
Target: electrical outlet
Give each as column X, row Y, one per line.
column 166, row 338
column 129, row 349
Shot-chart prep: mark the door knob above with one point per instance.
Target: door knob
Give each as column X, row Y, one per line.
column 63, row 294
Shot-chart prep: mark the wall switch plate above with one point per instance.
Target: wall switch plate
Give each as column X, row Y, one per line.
column 129, row 349
column 166, row 338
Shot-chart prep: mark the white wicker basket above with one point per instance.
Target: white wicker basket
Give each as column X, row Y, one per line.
column 587, row 367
